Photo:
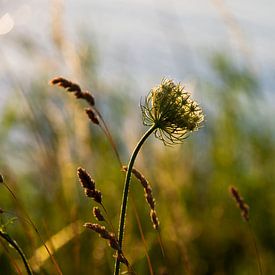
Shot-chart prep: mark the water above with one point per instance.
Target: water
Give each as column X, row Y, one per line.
column 141, row 41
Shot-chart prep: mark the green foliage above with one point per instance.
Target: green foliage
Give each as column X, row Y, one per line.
column 44, row 142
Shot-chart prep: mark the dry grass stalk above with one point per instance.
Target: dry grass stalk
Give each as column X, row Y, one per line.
column 148, row 195
column 1, row 179
column 240, row 202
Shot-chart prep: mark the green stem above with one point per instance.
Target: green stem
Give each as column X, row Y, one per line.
column 126, row 192
column 14, row 244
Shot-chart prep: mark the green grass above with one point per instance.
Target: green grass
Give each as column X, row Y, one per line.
column 44, row 142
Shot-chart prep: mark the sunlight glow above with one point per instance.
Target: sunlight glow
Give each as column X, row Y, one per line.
column 6, row 24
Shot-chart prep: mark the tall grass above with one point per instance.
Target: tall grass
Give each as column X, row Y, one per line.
column 45, row 140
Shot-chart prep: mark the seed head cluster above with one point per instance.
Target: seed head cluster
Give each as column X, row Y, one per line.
column 169, row 107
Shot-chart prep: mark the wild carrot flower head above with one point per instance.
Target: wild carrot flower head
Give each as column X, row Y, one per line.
column 169, row 107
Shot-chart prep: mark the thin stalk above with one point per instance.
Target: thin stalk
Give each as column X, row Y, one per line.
column 108, row 135
column 14, row 244
column 11, row 259
column 35, row 228
column 260, row 269
column 126, row 193
column 142, row 237
column 108, row 220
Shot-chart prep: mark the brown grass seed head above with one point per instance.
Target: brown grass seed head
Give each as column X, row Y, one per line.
column 66, row 84
column 85, row 179
column 74, row 88
column 105, row 234
column 98, row 229
column 148, row 195
column 97, row 214
column 154, row 219
column 97, row 196
column 147, row 188
column 138, row 176
column 94, row 194
column 240, row 202
column 1, row 179
column 92, row 116
column 113, row 242
column 89, row 98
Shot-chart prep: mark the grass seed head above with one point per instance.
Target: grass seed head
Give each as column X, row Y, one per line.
column 94, row 194
column 89, row 98
column 113, row 242
column 66, row 84
column 85, row 179
column 92, row 116
column 74, row 88
column 101, row 230
column 154, row 219
column 97, row 196
column 148, row 194
column 149, row 197
column 240, row 202
column 98, row 215
column 104, row 233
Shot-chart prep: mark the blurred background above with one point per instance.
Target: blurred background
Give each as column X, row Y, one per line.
column 222, row 51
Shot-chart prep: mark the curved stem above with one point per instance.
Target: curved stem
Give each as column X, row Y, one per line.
column 34, row 227
column 126, row 192
column 13, row 243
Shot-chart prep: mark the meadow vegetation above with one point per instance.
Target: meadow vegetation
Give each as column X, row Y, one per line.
column 46, row 136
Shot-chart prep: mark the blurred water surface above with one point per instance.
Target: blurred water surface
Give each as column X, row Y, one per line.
column 142, row 41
